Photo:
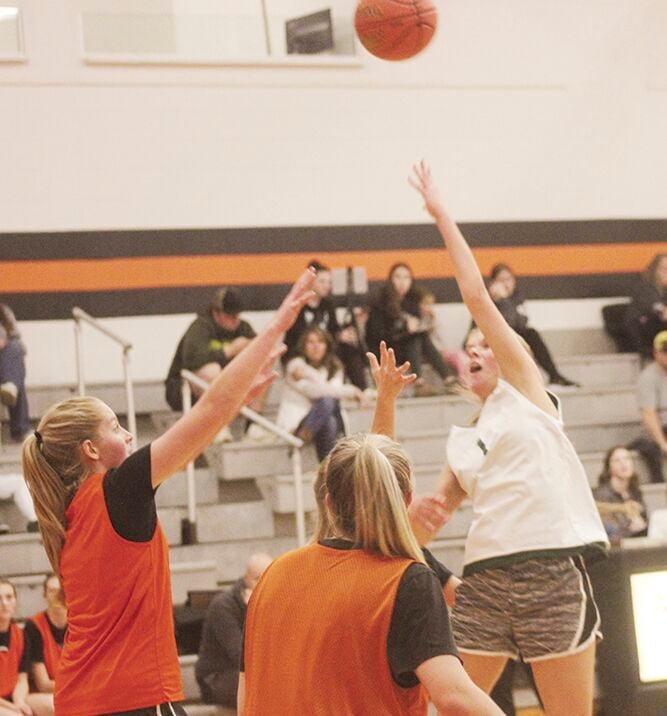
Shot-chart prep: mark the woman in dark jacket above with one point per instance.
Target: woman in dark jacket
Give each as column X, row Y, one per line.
column 395, row 319
column 509, row 299
column 647, row 313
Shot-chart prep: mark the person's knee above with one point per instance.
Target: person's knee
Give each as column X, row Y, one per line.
column 328, row 405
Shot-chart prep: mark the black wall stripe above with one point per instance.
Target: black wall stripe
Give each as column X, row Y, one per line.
column 315, row 239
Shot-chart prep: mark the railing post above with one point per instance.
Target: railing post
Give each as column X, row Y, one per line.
column 298, row 497
column 189, row 523
column 129, row 393
column 78, row 342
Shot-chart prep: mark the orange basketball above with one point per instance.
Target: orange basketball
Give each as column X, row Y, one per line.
column 395, row 29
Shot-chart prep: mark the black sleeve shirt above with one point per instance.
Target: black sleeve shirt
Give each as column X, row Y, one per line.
column 130, row 497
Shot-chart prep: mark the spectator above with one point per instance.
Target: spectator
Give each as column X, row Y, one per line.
column 217, row 668
column 510, row 302
column 652, row 399
column 395, row 319
column 15, row 663
column 646, row 314
column 618, row 497
column 313, row 387
column 46, row 632
column 209, row 344
column 321, row 312
column 13, row 486
column 12, row 375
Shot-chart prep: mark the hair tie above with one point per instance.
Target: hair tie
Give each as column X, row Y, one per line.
column 38, row 438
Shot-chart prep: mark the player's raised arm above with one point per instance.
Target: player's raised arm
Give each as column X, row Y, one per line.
column 516, row 364
column 241, row 379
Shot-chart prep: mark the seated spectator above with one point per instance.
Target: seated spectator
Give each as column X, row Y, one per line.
column 211, row 341
column 456, row 358
column 652, row 399
column 395, row 319
column 13, row 486
column 12, row 375
column 46, row 632
column 217, row 668
column 313, row 387
column 15, row 663
column 321, row 312
column 510, row 302
column 646, row 314
column 618, row 497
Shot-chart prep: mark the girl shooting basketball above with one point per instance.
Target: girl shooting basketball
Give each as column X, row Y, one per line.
column 525, row 589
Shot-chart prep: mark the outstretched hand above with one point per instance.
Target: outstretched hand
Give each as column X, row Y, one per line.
column 389, row 378
column 422, row 180
column 266, row 375
column 428, row 515
column 295, row 300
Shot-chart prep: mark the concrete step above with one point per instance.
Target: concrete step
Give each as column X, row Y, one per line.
column 601, row 369
column 185, row 576
column 23, row 554
column 244, row 459
column 279, row 494
column 221, row 522
column 174, row 491
column 230, row 557
column 191, row 576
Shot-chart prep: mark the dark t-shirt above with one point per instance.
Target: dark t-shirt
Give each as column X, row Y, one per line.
column 24, row 664
column 419, row 628
column 130, row 497
column 36, row 641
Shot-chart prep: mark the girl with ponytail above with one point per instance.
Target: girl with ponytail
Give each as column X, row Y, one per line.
column 95, row 504
column 356, row 622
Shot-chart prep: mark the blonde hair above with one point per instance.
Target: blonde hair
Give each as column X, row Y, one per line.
column 53, row 466
column 323, row 528
column 367, row 479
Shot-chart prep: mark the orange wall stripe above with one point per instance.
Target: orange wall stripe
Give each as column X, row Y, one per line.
column 80, row 275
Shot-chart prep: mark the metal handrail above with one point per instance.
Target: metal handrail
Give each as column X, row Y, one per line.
column 190, row 379
column 80, row 316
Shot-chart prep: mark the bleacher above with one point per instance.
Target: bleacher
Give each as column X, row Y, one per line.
column 244, row 490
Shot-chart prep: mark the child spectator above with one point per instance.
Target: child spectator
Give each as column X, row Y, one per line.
column 310, row 406
column 321, row 312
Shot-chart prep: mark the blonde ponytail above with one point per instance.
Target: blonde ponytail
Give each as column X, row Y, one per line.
column 53, row 466
column 368, row 480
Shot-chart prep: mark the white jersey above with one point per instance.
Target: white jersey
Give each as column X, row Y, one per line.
column 528, row 488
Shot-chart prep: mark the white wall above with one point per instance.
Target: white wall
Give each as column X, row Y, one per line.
column 528, row 109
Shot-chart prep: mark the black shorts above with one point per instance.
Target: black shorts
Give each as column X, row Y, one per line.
column 161, row 710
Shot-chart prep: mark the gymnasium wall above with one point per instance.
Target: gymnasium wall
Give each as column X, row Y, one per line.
column 134, row 190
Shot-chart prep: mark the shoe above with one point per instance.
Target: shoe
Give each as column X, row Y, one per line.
column 562, row 380
column 224, row 436
column 256, row 433
column 452, row 385
column 370, row 394
column 9, row 394
column 424, row 390
column 32, row 526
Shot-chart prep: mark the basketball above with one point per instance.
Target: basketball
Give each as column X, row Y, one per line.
column 395, row 29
